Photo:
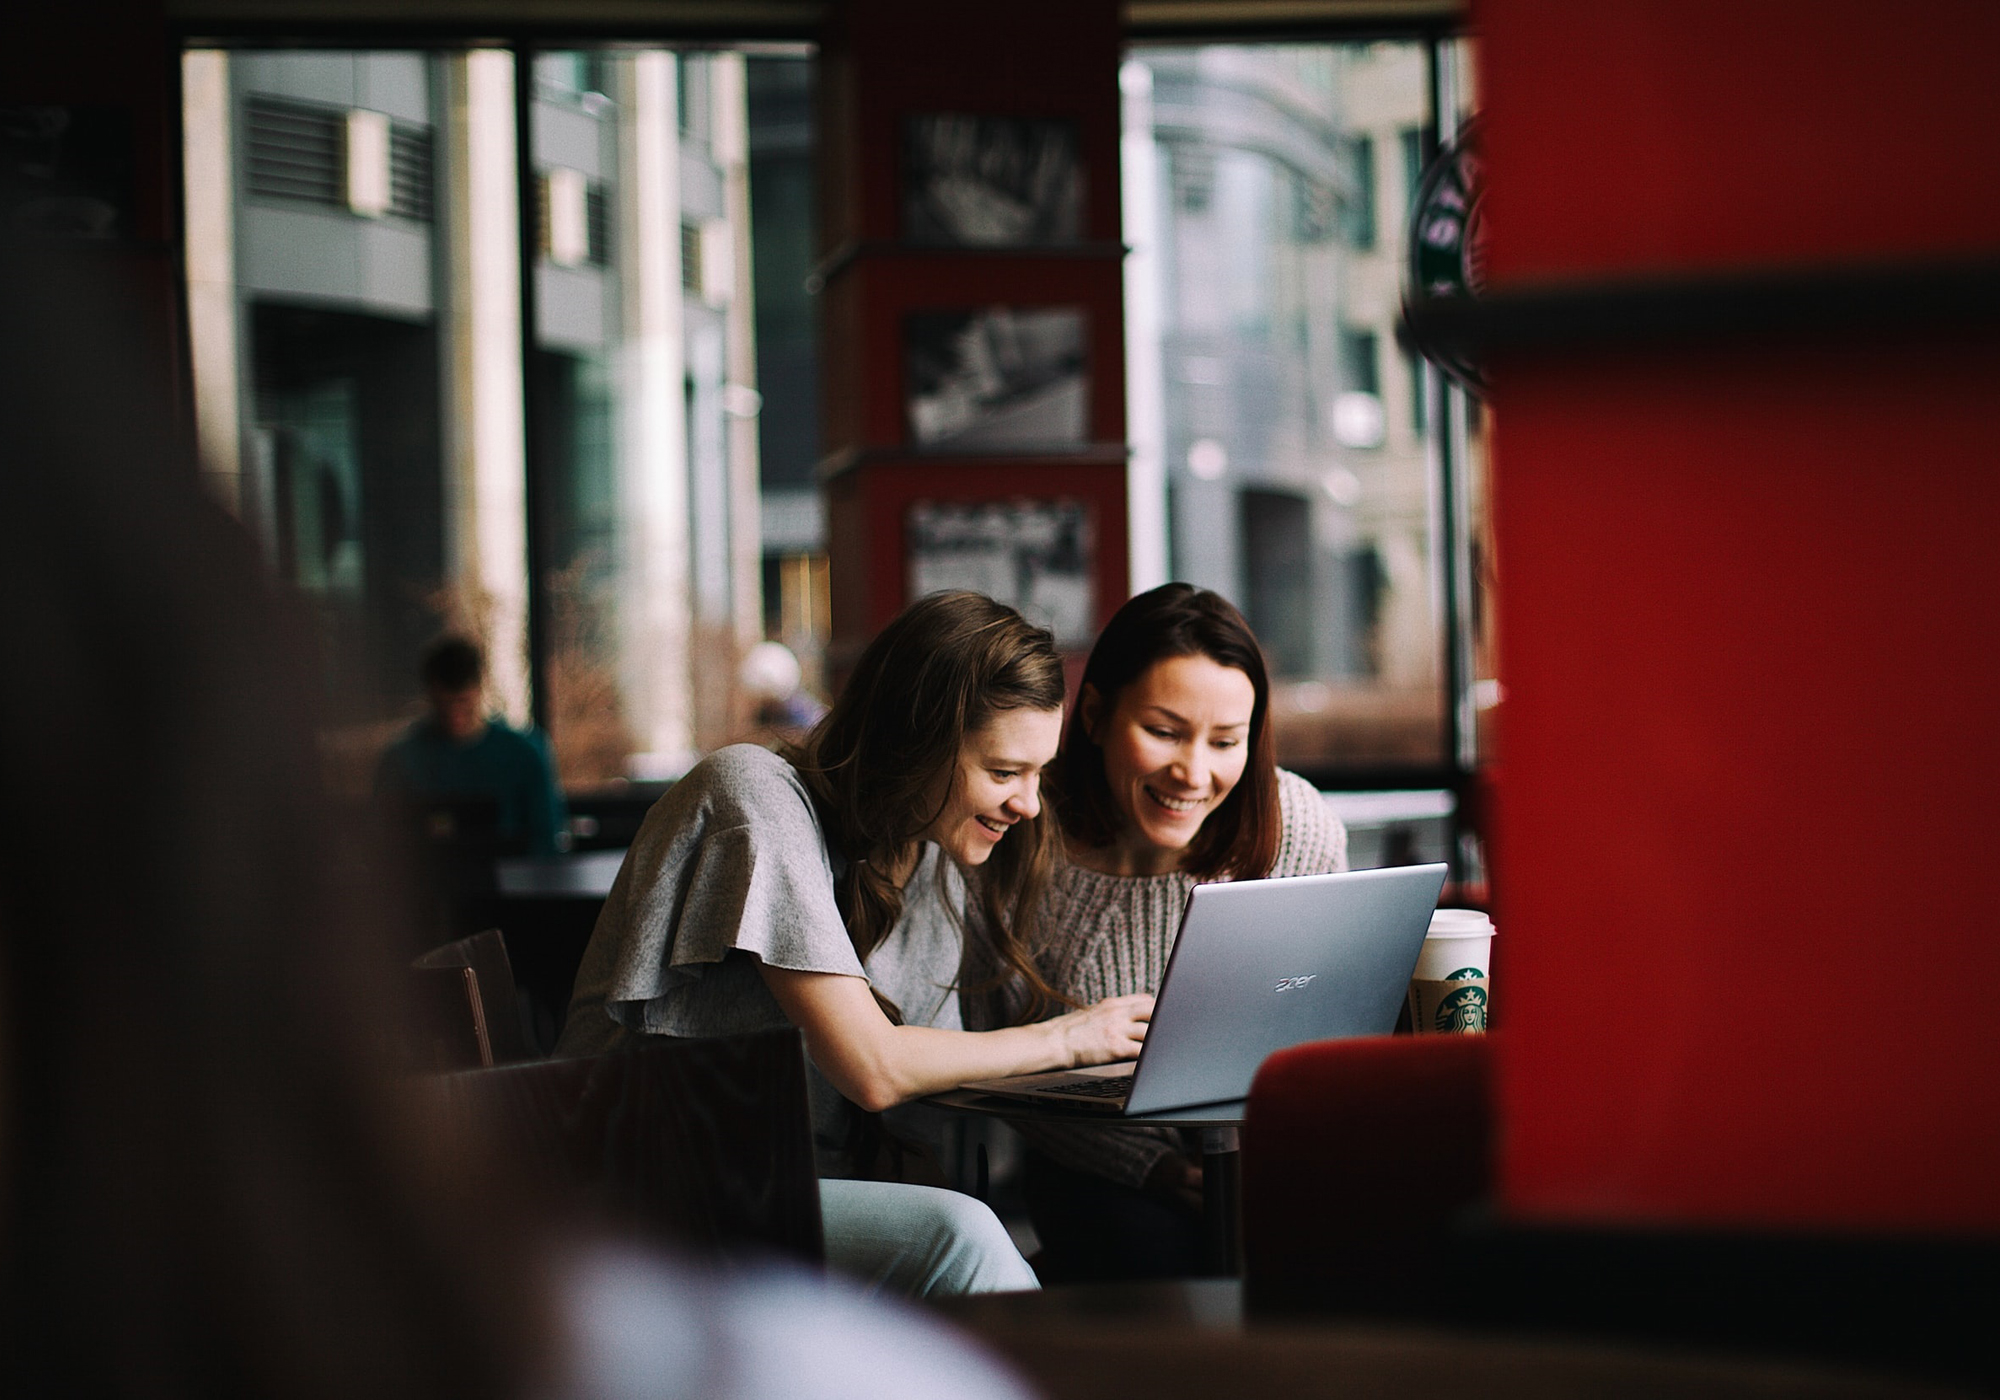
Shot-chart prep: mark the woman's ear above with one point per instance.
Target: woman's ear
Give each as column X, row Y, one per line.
column 1089, row 711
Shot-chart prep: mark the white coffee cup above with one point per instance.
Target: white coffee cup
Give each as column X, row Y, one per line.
column 1448, row 991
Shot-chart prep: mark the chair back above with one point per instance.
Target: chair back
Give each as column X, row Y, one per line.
column 472, row 1014
column 705, row 1145
column 1358, row 1157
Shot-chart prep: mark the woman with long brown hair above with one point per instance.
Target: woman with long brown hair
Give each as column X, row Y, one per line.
column 1168, row 777
column 826, row 888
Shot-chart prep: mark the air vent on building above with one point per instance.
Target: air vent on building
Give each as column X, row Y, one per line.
column 295, row 151
column 410, row 173
column 597, row 215
column 690, row 257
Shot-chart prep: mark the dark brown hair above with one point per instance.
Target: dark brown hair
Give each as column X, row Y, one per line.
column 884, row 759
column 452, row 663
column 1239, row 841
column 205, row 1186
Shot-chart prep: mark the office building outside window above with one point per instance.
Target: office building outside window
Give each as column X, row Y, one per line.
column 1279, row 437
column 369, row 404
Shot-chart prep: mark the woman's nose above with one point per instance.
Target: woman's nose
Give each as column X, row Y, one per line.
column 1191, row 766
column 1026, row 801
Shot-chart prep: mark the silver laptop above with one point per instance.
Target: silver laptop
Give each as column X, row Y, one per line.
column 1260, row 965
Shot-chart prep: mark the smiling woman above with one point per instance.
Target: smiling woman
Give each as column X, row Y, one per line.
column 826, row 888
column 997, row 784
column 1167, row 778
column 1174, row 746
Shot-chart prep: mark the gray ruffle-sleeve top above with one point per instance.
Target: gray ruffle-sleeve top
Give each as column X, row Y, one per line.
column 730, row 869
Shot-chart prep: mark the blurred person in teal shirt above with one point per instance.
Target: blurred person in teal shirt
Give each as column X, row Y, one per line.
column 459, row 751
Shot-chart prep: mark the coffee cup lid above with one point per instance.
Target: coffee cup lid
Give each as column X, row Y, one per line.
column 1461, row 923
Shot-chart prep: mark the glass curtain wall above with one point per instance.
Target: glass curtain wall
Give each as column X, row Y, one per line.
column 1285, row 450
column 404, row 428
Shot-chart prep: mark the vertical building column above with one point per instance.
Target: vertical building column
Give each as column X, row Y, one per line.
column 1145, row 392
column 741, row 402
column 651, row 370
column 208, row 172
column 486, row 560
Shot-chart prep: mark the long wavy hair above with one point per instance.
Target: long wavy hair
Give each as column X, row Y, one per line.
column 883, row 763
column 1239, row 841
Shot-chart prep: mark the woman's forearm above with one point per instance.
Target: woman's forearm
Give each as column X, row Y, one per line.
column 924, row 1060
column 878, row 1064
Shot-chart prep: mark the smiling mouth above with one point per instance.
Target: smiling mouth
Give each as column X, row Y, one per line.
column 997, row 828
column 1179, row 806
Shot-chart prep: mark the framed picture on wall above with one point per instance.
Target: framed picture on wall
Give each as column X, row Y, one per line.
column 991, row 182
column 1037, row 556
column 997, row 379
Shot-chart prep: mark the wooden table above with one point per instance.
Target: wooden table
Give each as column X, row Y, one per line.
column 545, row 908
column 1165, row 1340
column 586, row 875
column 1221, row 1169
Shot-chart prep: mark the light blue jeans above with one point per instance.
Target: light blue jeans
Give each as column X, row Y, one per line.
column 916, row 1241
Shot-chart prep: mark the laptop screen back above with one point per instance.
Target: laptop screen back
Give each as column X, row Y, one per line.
column 1260, row 965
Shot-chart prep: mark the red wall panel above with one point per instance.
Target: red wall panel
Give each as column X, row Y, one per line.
column 1749, row 645
column 1752, row 766
column 883, row 62
column 1664, row 134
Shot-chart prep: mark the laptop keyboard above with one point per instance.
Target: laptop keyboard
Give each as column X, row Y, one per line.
column 1094, row 1088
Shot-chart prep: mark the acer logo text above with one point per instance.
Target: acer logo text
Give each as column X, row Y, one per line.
column 1292, row 984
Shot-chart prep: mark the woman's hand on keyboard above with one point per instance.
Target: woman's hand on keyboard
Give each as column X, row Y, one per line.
column 1113, row 1029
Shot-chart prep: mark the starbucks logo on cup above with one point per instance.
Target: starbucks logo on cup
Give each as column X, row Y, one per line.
column 1463, row 1010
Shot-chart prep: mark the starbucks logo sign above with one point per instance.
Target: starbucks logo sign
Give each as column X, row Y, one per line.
column 1462, row 1011
column 1447, row 248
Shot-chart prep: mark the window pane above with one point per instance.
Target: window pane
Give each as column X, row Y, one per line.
column 355, row 294
column 633, row 331
column 1266, row 216
column 356, row 376
column 647, row 378
column 784, row 221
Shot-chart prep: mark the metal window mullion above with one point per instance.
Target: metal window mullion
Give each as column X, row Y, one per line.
column 1455, row 428
column 533, row 468
column 1448, row 448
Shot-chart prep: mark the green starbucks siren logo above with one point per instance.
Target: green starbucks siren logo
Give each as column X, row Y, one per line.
column 1465, row 974
column 1464, row 1010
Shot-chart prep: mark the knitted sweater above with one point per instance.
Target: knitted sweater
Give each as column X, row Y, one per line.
column 1107, row 935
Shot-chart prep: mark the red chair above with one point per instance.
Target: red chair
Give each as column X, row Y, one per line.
column 1358, row 1156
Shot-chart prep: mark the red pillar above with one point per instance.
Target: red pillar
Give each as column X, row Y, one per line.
column 883, row 63
column 1750, row 646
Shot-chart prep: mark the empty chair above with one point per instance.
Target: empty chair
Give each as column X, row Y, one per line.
column 470, row 1013
column 704, row 1144
column 1358, row 1157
